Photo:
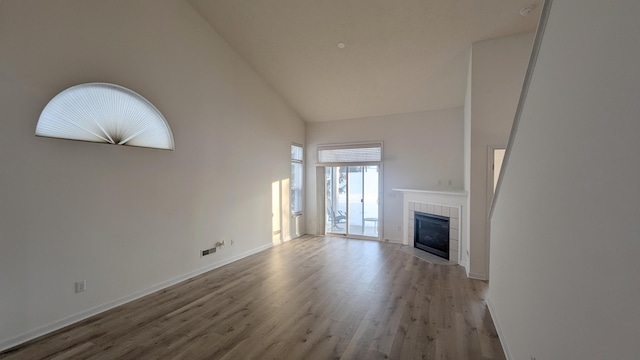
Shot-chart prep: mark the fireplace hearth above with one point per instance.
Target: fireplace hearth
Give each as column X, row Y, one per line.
column 431, row 234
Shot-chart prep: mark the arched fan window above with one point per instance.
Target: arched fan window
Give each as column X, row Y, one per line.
column 105, row 113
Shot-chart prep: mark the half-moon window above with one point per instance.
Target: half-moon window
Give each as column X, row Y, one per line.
column 105, row 113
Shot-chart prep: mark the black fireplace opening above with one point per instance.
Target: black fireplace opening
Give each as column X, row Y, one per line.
column 431, row 234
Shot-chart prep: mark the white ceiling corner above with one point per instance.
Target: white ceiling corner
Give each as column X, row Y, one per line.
column 401, row 56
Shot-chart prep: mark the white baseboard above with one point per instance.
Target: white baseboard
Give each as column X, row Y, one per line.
column 393, row 241
column 496, row 323
column 66, row 321
column 477, row 276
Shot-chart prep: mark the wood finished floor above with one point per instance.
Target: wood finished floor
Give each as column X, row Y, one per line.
column 310, row 298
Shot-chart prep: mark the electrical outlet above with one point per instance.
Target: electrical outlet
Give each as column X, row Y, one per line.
column 232, row 241
column 81, row 286
column 208, row 251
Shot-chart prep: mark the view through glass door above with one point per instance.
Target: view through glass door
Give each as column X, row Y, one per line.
column 352, row 200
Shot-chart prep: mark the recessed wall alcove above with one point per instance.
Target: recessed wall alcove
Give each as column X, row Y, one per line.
column 449, row 204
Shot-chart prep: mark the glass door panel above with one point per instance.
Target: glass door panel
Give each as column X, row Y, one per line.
column 351, row 200
column 336, row 200
column 356, row 202
column 371, row 178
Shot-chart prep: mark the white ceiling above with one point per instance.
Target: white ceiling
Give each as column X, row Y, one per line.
column 402, row 56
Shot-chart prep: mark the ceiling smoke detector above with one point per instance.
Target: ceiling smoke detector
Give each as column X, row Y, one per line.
column 525, row 11
column 341, row 45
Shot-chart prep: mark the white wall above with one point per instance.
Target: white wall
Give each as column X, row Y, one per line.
column 497, row 73
column 421, row 151
column 565, row 242
column 127, row 219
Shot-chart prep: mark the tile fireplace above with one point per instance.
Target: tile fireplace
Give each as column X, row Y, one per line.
column 449, row 205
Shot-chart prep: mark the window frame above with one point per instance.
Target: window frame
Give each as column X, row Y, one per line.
column 292, row 184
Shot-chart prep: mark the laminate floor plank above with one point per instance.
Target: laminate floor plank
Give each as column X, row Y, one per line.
column 314, row 297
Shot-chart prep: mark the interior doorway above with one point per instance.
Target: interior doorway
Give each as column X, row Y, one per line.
column 498, row 157
column 495, row 157
column 352, row 200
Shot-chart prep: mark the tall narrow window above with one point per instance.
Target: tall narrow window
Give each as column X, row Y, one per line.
column 296, row 179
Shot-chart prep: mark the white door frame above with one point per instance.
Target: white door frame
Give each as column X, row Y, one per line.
column 322, row 200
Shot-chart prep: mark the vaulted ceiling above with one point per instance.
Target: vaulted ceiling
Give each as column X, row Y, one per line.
column 400, row 56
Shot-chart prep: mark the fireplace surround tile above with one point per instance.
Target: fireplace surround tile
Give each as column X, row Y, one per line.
column 447, row 204
column 453, row 255
column 453, row 245
column 454, row 223
column 445, row 211
column 435, row 209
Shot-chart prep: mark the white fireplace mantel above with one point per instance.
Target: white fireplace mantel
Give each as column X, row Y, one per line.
column 437, row 200
column 432, row 193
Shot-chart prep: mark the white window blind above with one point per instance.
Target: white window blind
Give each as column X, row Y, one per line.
column 356, row 153
column 105, row 113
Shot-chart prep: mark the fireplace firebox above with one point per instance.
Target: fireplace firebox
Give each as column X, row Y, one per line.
column 431, row 234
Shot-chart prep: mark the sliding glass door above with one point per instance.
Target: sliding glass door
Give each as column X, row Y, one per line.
column 351, row 200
